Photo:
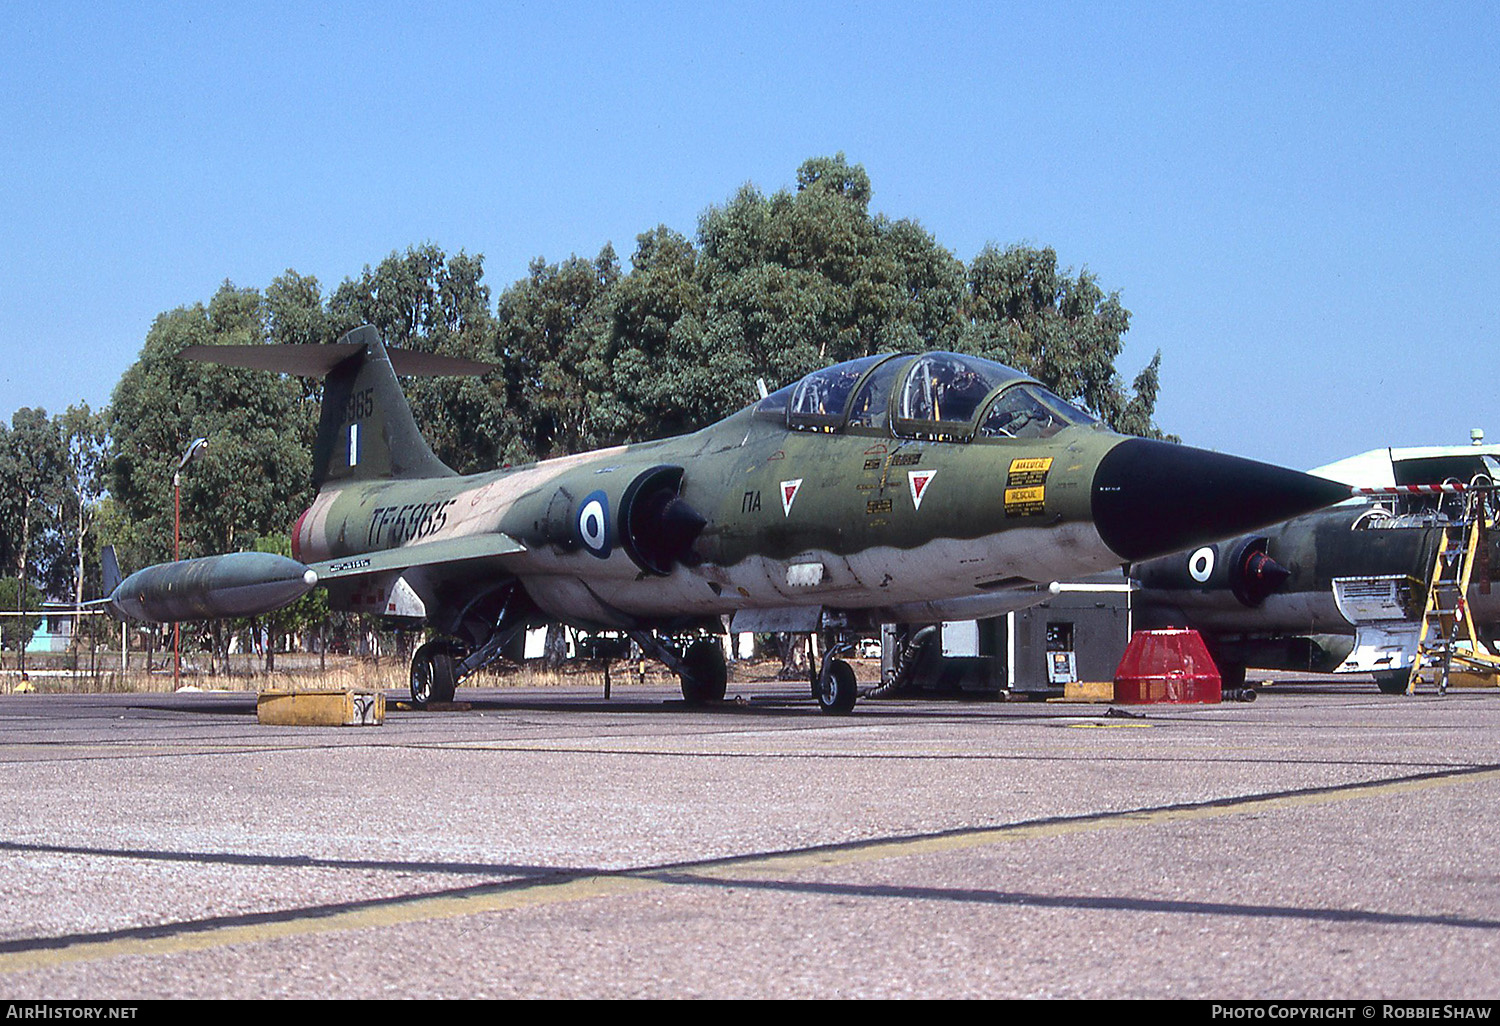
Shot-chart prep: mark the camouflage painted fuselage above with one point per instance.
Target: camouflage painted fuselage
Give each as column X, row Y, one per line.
column 1197, row 588
column 794, row 518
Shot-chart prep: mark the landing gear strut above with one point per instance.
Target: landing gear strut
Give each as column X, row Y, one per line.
column 835, row 686
column 440, row 665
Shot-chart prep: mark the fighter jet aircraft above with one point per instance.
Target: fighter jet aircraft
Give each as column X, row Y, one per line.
column 1337, row 590
column 892, row 488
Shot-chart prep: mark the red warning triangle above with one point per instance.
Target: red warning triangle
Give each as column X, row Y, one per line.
column 788, row 493
column 918, row 479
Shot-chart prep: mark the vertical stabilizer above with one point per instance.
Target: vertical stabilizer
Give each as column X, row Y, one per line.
column 367, row 431
column 111, row 567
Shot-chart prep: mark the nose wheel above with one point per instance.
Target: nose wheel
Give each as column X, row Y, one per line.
column 836, row 688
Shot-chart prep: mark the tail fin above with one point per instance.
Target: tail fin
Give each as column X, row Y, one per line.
column 366, row 431
column 111, row 567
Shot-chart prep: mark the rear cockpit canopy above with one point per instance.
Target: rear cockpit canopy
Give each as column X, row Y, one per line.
column 934, row 395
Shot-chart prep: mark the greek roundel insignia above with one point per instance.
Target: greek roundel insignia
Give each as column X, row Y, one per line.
column 1201, row 564
column 593, row 524
column 918, row 479
column 788, row 493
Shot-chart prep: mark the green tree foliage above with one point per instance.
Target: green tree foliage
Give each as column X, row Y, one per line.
column 662, row 371
column 427, row 301
column 16, row 631
column 799, row 280
column 254, row 477
column 34, row 483
column 296, row 315
column 1061, row 328
column 558, row 381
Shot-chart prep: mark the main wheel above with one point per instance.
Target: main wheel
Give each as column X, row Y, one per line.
column 837, row 688
column 707, row 676
column 434, row 675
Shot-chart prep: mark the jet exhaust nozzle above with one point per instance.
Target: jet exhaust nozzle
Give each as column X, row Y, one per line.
column 1151, row 498
column 213, row 587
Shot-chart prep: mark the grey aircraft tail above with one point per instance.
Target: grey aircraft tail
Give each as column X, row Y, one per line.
column 366, row 431
column 111, row 566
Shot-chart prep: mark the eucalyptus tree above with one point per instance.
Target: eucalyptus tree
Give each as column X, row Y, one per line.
column 1021, row 309
column 34, row 479
column 85, row 439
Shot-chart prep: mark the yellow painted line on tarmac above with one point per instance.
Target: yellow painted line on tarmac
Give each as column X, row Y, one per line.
column 415, row 910
column 1108, row 726
column 879, row 850
column 505, row 898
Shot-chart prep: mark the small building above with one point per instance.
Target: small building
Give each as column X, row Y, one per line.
column 53, row 634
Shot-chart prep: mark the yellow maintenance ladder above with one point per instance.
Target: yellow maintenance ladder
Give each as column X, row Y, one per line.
column 1447, row 630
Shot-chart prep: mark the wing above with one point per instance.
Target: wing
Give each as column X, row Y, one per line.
column 451, row 550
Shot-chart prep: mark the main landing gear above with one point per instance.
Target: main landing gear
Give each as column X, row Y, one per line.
column 434, row 672
column 440, row 665
column 702, row 668
column 707, row 674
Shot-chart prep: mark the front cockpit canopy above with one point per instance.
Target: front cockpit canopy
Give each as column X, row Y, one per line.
column 934, row 395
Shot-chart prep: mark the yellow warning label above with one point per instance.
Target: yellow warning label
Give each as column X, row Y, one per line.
column 1042, row 463
column 1024, row 502
column 1027, row 473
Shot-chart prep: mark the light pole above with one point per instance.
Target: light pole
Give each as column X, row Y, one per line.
column 192, row 453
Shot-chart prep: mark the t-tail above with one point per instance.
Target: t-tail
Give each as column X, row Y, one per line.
column 366, row 431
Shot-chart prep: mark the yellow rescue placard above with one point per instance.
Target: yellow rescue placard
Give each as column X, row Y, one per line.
column 1024, row 502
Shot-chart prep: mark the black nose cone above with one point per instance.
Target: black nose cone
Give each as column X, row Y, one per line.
column 1151, row 498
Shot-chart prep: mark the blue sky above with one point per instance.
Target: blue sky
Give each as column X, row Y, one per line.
column 1297, row 202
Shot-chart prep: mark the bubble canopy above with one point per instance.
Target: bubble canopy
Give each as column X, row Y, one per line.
column 933, row 395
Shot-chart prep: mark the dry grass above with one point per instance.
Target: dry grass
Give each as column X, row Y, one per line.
column 387, row 674
column 344, row 672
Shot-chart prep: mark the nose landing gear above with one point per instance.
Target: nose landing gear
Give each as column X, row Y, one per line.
column 835, row 686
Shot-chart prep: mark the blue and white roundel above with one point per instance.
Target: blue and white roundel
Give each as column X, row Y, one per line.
column 593, row 524
column 1201, row 564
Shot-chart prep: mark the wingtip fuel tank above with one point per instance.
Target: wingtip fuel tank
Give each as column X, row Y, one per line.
column 235, row 584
